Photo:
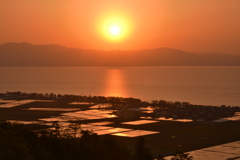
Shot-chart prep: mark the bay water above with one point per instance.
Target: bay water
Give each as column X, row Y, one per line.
column 206, row 85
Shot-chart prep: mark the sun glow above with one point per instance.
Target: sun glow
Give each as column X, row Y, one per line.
column 115, row 85
column 114, row 27
column 114, row 30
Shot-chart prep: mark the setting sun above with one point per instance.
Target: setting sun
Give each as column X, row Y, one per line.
column 114, row 30
column 114, row 26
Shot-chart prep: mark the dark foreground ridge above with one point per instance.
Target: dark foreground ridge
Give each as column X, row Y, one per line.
column 25, row 54
column 23, row 142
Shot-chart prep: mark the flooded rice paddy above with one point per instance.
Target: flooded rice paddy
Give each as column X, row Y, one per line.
column 139, row 122
column 228, row 151
column 15, row 103
column 53, row 109
column 95, row 112
column 135, row 133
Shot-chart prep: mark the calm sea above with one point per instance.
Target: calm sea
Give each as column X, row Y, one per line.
column 197, row 85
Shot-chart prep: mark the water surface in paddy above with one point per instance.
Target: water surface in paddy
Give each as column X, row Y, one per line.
column 219, row 152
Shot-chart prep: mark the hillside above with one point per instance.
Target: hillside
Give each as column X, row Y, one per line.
column 25, row 54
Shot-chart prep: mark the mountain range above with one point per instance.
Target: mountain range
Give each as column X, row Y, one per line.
column 25, row 54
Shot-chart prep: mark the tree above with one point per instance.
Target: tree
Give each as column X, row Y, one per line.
column 160, row 157
column 141, row 152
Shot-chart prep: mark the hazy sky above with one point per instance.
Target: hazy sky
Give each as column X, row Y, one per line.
column 190, row 25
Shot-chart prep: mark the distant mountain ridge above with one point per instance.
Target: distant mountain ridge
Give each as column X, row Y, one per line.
column 25, row 54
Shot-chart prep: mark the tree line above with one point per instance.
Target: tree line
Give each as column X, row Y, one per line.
column 26, row 142
column 70, row 97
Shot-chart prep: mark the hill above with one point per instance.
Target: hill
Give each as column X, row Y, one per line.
column 25, row 54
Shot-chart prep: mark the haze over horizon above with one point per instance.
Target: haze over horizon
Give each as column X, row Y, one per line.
column 26, row 54
column 193, row 26
column 109, row 50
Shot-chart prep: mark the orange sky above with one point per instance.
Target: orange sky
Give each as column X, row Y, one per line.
column 190, row 25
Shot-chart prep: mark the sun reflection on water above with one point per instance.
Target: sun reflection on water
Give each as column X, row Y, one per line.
column 115, row 83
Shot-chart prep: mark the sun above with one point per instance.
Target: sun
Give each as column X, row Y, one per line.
column 114, row 30
column 114, row 27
